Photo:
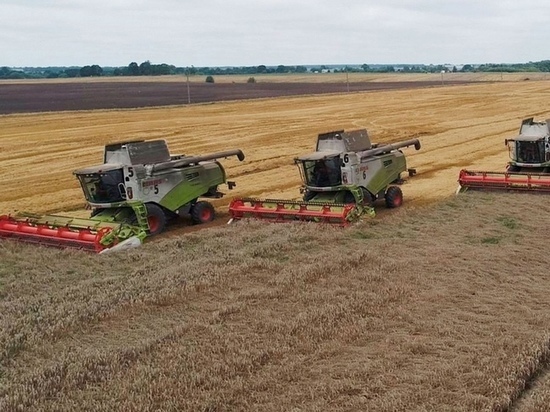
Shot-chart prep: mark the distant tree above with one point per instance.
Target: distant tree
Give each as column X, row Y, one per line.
column 86, row 71
column 16, row 75
column 133, row 69
column 209, row 79
column 4, row 71
column 145, row 68
column 72, row 72
column 543, row 66
column 89, row 71
column 97, row 70
column 191, row 70
column 162, row 69
column 436, row 69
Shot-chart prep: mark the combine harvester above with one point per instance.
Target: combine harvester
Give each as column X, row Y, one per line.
column 341, row 181
column 133, row 194
column 528, row 168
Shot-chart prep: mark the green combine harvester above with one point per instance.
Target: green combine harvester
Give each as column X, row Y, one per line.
column 342, row 180
column 137, row 189
column 528, row 169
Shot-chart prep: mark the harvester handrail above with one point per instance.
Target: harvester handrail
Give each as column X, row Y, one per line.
column 389, row 147
column 186, row 161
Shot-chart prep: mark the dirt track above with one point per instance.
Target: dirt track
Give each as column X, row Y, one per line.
column 459, row 126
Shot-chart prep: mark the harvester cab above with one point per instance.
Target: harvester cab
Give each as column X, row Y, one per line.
column 133, row 194
column 528, row 168
column 103, row 184
column 320, row 170
column 341, row 181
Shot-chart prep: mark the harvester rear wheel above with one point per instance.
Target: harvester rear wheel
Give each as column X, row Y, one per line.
column 202, row 212
column 155, row 218
column 394, row 197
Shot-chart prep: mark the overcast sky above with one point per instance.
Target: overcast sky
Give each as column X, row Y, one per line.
column 272, row 32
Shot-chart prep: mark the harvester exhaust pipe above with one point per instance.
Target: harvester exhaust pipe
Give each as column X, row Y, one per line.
column 186, row 161
column 389, row 147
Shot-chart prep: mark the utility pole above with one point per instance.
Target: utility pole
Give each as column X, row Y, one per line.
column 188, row 91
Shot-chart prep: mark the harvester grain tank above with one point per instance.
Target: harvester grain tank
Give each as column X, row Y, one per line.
column 341, row 181
column 132, row 194
column 528, row 168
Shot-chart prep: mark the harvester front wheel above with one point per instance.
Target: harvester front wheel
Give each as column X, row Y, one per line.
column 368, row 199
column 96, row 212
column 309, row 195
column 155, row 218
column 202, row 212
column 394, row 197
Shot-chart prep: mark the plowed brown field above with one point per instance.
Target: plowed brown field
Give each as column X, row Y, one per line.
column 459, row 126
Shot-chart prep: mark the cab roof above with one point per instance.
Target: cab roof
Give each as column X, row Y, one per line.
column 319, row 155
column 102, row 168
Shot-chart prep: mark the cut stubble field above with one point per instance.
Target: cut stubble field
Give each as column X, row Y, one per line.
column 440, row 305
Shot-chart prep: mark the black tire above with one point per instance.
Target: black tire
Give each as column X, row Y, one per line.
column 348, row 197
column 368, row 199
column 309, row 195
column 96, row 212
column 155, row 218
column 394, row 197
column 202, row 212
column 513, row 168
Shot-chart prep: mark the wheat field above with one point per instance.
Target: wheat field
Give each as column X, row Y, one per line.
column 459, row 126
column 441, row 305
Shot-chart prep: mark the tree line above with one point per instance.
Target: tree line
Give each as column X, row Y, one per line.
column 147, row 68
